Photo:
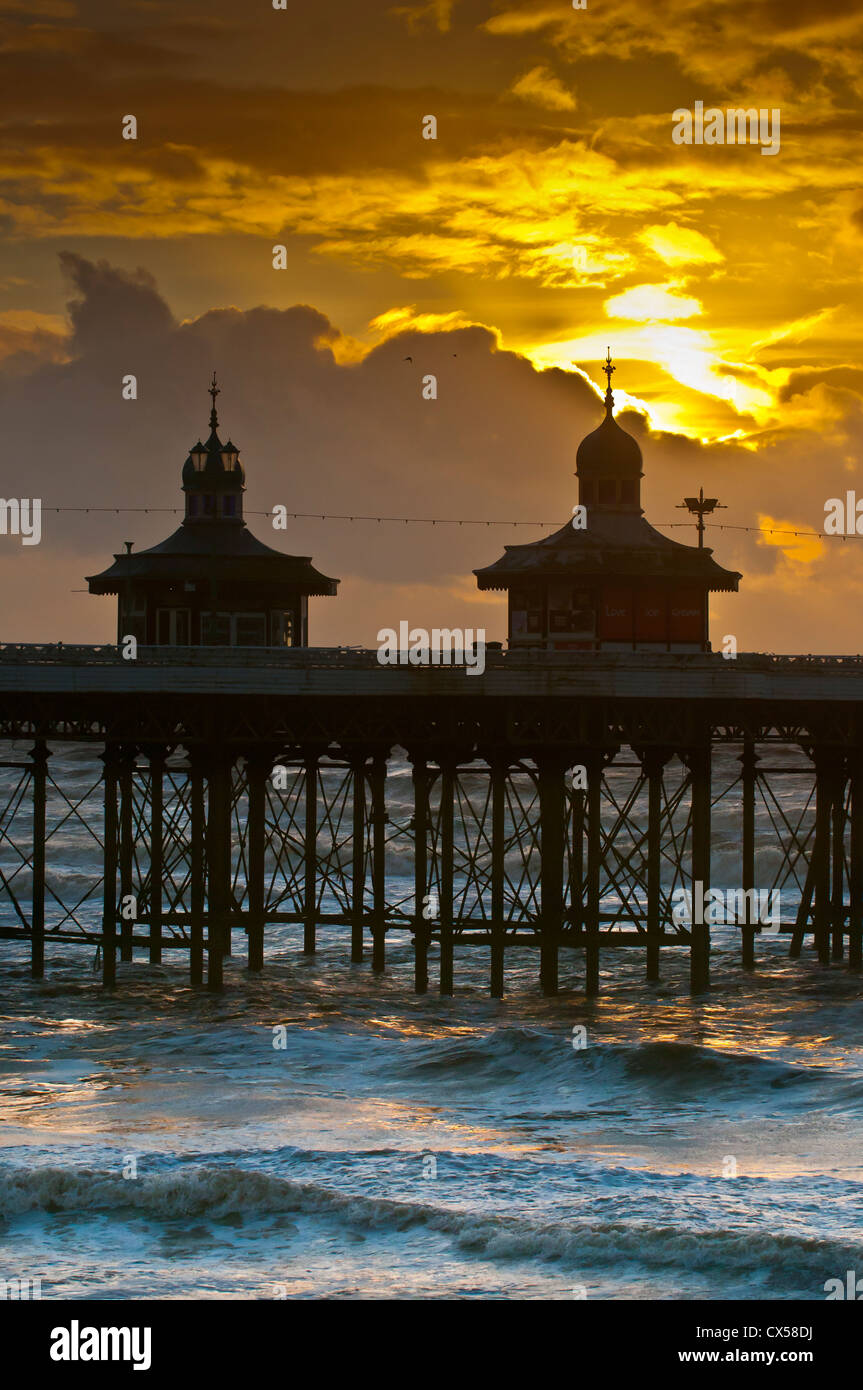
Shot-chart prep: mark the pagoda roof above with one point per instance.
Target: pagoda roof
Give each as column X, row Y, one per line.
column 614, row 543
column 226, row 553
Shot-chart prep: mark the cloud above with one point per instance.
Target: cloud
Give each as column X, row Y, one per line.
column 405, row 317
column 28, row 339
column 526, row 20
column 320, row 435
column 678, row 245
column 717, row 44
column 436, row 14
column 797, row 547
column 316, row 434
column 112, row 307
column 540, row 86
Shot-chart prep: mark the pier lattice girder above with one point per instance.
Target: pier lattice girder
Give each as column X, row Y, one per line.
column 564, row 819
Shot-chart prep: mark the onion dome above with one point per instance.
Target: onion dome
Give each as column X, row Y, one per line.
column 608, row 464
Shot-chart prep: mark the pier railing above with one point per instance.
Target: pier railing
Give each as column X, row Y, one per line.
column 362, row 658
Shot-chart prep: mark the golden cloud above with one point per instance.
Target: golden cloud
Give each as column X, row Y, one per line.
column 797, row 545
column 540, row 86
column 677, row 245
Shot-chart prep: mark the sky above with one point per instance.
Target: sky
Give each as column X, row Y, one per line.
column 552, row 216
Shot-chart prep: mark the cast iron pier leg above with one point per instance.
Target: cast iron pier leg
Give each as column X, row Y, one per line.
column 421, row 927
column 379, row 861
column 749, row 773
column 594, row 764
column 498, row 872
column 447, row 831
column 39, row 756
column 699, row 947
column 552, row 814
column 110, row 856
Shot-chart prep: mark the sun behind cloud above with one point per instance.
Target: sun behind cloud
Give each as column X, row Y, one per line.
column 654, row 302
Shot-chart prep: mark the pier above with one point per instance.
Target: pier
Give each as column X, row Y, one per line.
column 557, row 801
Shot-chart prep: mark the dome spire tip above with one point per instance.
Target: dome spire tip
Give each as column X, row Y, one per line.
column 608, row 369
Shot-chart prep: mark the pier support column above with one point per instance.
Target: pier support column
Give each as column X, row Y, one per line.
column 837, row 911
column 157, row 773
column 218, row 864
column 358, row 856
column 110, row 858
column 447, row 828
column 39, row 756
column 258, row 768
column 197, row 856
column 499, row 769
column 379, row 861
column 594, row 763
column 653, row 762
column 552, row 815
column 310, row 890
column 749, row 774
column 576, row 854
column 699, row 947
column 420, row 820
column 855, row 884
column 127, row 850
column 825, row 780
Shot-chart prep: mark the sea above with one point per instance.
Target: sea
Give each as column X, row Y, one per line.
column 321, row 1132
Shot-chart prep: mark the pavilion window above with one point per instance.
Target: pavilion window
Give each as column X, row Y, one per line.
column 172, row 627
column 229, row 505
column 249, row 630
column 209, row 502
column 216, row 629
column 133, row 617
column 607, row 491
column 559, row 604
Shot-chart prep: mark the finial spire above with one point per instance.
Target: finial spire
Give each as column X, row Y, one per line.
column 608, row 369
column 214, row 392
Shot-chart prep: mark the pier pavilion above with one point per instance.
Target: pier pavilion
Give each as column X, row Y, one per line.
column 615, row 583
column 212, row 583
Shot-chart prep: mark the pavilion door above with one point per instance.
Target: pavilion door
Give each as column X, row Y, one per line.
column 282, row 630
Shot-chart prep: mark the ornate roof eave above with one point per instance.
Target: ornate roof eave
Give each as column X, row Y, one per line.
column 294, row 572
column 714, row 578
column 665, row 560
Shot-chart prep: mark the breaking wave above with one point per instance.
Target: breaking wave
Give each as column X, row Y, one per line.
column 199, row 1192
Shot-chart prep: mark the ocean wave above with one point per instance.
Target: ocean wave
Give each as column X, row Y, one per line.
column 205, row 1192
column 525, row 1056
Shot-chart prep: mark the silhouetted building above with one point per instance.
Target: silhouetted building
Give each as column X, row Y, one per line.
column 212, row 582
column 617, row 584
